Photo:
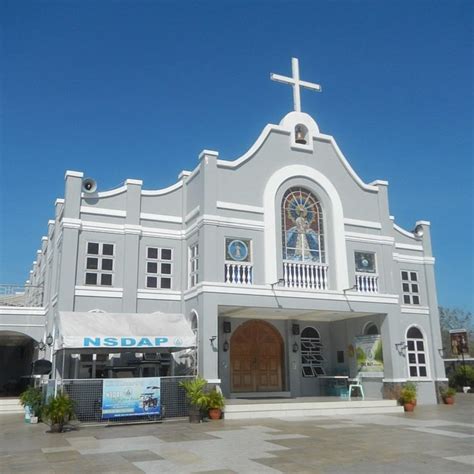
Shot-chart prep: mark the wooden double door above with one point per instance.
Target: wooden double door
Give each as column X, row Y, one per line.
column 256, row 358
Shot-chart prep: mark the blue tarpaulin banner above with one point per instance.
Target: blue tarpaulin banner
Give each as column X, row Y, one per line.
column 131, row 397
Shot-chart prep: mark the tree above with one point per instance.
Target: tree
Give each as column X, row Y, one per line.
column 455, row 318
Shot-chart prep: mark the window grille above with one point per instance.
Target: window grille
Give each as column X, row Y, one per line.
column 159, row 267
column 416, row 353
column 99, row 264
column 311, row 357
column 410, row 287
column 193, row 265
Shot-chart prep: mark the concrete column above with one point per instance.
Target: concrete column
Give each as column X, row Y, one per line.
column 394, row 362
column 209, row 349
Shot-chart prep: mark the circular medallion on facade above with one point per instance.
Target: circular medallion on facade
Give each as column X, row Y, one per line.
column 238, row 250
column 365, row 262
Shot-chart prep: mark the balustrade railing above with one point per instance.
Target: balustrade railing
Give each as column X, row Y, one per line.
column 305, row 275
column 21, row 295
column 239, row 273
column 367, row 283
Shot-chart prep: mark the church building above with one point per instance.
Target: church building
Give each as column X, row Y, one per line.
column 271, row 274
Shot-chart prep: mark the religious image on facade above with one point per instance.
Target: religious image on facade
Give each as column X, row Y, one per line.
column 302, row 227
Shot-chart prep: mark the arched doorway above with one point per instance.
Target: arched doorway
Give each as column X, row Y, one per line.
column 16, row 355
column 256, row 358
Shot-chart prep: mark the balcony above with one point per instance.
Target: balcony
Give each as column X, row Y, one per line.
column 239, row 273
column 367, row 283
column 305, row 276
column 21, row 296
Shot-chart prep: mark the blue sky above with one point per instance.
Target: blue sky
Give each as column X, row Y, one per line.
column 122, row 89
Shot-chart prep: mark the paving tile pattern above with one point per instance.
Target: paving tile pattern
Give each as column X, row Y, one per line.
column 435, row 439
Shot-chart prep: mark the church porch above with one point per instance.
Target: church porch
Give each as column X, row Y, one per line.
column 295, row 353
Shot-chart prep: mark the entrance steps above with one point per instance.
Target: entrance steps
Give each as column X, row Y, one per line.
column 303, row 407
column 10, row 405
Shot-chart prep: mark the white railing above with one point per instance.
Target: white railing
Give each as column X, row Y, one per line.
column 367, row 283
column 23, row 296
column 305, row 275
column 239, row 273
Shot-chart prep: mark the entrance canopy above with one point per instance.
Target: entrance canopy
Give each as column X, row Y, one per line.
column 123, row 330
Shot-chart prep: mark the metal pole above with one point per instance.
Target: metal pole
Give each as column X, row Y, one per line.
column 464, row 369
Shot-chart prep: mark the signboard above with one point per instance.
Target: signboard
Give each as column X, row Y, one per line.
column 131, row 397
column 141, row 342
column 368, row 352
column 459, row 344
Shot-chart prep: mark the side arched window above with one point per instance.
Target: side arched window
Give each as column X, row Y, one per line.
column 302, row 221
column 311, row 357
column 371, row 329
column 416, row 353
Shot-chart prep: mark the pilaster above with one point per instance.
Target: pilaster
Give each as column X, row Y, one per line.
column 209, row 339
column 208, row 236
column 70, row 225
column 131, row 245
column 436, row 344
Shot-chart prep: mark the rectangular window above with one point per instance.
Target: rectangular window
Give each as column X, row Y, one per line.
column 193, row 265
column 99, row 264
column 410, row 288
column 158, row 273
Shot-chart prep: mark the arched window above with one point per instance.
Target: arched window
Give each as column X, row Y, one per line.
column 371, row 329
column 416, row 353
column 311, row 358
column 302, row 221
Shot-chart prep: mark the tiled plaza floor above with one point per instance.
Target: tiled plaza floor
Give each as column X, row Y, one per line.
column 434, row 439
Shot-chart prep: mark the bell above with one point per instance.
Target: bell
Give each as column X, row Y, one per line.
column 300, row 136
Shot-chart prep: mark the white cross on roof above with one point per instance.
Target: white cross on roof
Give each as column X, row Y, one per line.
column 296, row 83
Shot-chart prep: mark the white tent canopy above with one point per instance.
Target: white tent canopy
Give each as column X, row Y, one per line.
column 77, row 330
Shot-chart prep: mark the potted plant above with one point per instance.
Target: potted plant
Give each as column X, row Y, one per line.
column 197, row 398
column 408, row 396
column 58, row 411
column 32, row 401
column 447, row 394
column 215, row 402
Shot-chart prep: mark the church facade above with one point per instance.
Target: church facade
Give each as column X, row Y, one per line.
column 289, row 269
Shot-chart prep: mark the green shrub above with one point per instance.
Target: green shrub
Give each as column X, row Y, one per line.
column 408, row 393
column 194, row 389
column 215, row 399
column 33, row 398
column 59, row 409
column 462, row 376
column 447, row 392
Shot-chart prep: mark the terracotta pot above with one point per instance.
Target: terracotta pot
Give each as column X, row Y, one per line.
column 409, row 406
column 215, row 413
column 448, row 400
